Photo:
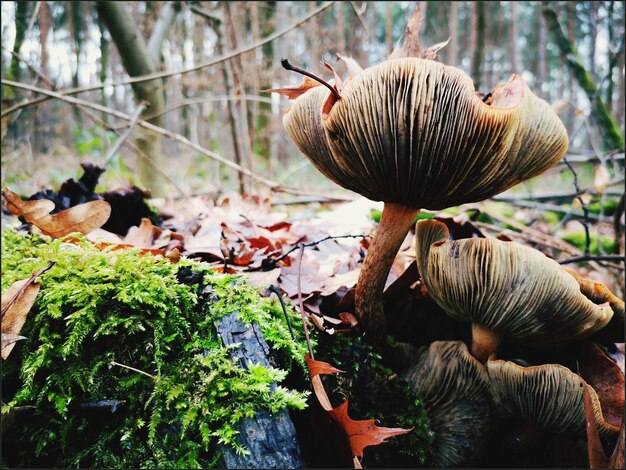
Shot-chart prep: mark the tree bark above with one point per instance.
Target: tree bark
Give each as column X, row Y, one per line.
column 389, row 27
column 478, row 21
column 137, row 61
column 452, row 27
column 161, row 27
column 270, row 438
column 341, row 27
column 611, row 135
column 593, row 35
column 513, row 39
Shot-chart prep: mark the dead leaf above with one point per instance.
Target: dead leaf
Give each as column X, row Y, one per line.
column 352, row 65
column 293, row 92
column 16, row 303
column 607, row 380
column 363, row 433
column 262, row 279
column 315, row 369
column 82, row 218
column 334, row 283
column 597, row 457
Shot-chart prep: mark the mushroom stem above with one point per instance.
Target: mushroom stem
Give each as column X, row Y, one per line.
column 485, row 342
column 394, row 224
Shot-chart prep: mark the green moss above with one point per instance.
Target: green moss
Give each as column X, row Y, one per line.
column 99, row 307
column 578, row 239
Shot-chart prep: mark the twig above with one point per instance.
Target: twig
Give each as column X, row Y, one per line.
column 359, row 13
column 287, row 66
column 303, row 245
column 585, row 221
column 100, row 122
column 578, row 259
column 273, row 289
column 156, row 75
column 557, row 208
column 207, row 99
column 124, row 136
column 177, row 137
column 153, row 377
column 301, row 303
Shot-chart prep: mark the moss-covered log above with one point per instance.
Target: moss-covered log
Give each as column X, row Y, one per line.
column 130, row 361
column 612, row 136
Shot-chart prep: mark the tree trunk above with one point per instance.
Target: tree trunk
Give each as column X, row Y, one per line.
column 513, row 39
column 137, row 61
column 163, row 24
column 389, row 28
column 452, row 27
column 543, row 52
column 593, row 34
column 478, row 21
column 238, row 119
column 341, row 27
column 611, row 135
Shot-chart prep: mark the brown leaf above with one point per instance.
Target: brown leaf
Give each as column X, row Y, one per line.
column 262, row 279
column 607, row 380
column 144, row 235
column 362, row 433
column 30, row 210
column 597, row 457
column 82, row 218
column 16, row 303
column 293, row 93
column 315, row 369
column 352, row 65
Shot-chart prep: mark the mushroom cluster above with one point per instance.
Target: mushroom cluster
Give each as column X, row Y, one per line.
column 507, row 290
column 414, row 134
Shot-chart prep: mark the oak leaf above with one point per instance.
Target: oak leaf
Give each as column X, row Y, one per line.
column 82, row 218
column 363, row 433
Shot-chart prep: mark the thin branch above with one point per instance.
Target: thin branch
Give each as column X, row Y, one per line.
column 177, row 137
column 579, row 259
column 207, row 99
column 153, row 377
column 274, row 290
column 301, row 303
column 156, row 75
column 585, row 221
column 125, row 135
column 303, row 245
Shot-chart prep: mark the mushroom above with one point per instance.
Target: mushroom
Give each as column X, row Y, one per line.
column 549, row 396
column 414, row 134
column 454, row 388
column 504, row 289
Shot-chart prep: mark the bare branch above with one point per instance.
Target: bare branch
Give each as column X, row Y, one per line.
column 143, row 78
column 579, row 259
column 125, row 135
column 177, row 137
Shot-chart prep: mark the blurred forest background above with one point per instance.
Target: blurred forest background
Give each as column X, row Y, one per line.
column 210, row 97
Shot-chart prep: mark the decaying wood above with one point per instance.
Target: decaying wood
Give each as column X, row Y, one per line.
column 270, row 438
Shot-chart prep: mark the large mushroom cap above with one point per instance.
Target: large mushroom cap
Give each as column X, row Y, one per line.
column 413, row 132
column 454, row 388
column 506, row 287
column 549, row 396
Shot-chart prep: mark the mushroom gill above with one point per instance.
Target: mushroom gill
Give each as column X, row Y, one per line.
column 454, row 388
column 549, row 396
column 413, row 133
column 504, row 289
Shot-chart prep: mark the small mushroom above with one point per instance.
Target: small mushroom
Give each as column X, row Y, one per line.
column 504, row 289
column 413, row 133
column 549, row 396
column 454, row 388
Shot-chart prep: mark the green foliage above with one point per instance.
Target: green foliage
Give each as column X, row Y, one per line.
column 96, row 308
column 598, row 245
